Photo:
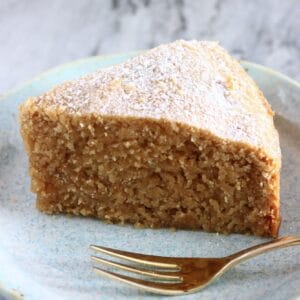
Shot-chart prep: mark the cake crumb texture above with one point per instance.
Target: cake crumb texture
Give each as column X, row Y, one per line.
column 179, row 136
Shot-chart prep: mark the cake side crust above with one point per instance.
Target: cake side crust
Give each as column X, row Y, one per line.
column 149, row 173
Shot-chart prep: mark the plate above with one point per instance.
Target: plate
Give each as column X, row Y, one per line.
column 47, row 257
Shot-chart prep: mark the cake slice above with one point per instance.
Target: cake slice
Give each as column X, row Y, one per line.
column 179, row 136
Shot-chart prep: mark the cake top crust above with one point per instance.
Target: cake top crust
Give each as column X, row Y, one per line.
column 196, row 83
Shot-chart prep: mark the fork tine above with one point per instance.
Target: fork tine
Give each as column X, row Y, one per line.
column 154, row 287
column 160, row 275
column 150, row 260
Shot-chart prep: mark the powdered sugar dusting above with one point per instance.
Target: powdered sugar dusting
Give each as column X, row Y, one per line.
column 193, row 82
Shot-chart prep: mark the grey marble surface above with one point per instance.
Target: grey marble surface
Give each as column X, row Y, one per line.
column 36, row 35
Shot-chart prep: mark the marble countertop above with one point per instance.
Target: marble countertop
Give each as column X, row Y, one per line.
column 37, row 35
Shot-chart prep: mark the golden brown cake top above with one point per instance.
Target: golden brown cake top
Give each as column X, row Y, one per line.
column 196, row 83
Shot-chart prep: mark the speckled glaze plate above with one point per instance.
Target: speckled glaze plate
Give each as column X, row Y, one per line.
column 47, row 257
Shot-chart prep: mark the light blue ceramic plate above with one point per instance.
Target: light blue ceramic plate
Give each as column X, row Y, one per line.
column 47, row 257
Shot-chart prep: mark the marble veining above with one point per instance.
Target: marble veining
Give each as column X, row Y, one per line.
column 37, row 35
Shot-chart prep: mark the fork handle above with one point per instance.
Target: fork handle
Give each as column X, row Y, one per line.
column 291, row 240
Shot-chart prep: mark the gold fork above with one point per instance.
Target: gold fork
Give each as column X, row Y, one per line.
column 179, row 275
